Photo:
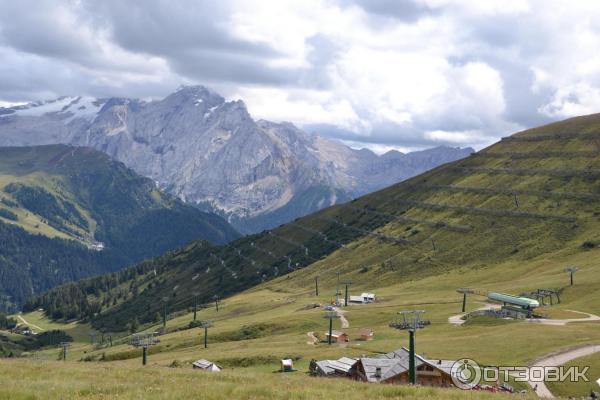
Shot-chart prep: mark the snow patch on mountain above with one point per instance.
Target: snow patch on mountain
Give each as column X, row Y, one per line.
column 211, row 152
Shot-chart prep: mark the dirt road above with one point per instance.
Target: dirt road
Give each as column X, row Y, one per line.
column 589, row 318
column 28, row 324
column 457, row 319
column 557, row 359
column 343, row 320
column 313, row 340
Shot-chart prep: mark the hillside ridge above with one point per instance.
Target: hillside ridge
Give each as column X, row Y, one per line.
column 457, row 215
column 78, row 213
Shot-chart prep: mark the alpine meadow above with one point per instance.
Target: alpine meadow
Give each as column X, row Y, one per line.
column 299, row 200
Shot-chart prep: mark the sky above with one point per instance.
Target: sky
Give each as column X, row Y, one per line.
column 382, row 74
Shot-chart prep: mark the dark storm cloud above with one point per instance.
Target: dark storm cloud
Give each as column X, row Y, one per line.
column 36, row 28
column 168, row 27
column 191, row 35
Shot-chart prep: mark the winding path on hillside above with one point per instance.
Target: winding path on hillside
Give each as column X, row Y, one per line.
column 589, row 318
column 344, row 324
column 559, row 358
column 313, row 340
column 457, row 319
column 343, row 319
column 28, row 324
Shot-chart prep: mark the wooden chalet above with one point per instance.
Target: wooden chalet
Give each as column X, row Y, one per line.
column 390, row 368
column 344, row 367
column 337, row 337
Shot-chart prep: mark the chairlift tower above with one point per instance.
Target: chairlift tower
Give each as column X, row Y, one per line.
column 465, row 291
column 196, row 294
column 571, row 271
column 92, row 337
column 166, row 301
column 331, row 315
column 346, row 283
column 337, row 290
column 206, row 325
column 411, row 321
column 65, row 346
column 144, row 340
column 216, row 297
column 317, row 286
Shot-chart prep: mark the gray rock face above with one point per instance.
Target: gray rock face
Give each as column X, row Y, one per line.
column 211, row 152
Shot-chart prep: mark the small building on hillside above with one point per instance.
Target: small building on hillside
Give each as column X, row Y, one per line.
column 337, row 337
column 206, row 365
column 364, row 298
column 287, row 365
column 366, row 334
column 393, row 368
column 390, row 368
column 344, row 367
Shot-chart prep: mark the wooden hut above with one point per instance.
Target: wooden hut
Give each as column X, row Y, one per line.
column 337, row 337
column 206, row 365
column 366, row 334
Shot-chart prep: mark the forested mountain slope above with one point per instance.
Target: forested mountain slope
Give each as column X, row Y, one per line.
column 67, row 213
column 536, row 192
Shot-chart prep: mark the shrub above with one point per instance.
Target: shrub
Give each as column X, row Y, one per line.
column 589, row 244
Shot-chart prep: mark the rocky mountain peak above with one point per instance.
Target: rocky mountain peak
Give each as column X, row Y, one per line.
column 211, row 152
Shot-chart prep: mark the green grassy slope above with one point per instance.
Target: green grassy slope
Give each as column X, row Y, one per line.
column 56, row 201
column 508, row 219
column 530, row 195
column 251, row 354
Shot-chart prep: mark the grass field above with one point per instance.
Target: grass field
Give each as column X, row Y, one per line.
column 456, row 226
column 36, row 320
column 278, row 307
column 580, row 389
column 54, row 380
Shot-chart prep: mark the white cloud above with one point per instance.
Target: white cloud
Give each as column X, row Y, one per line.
column 386, row 74
column 573, row 100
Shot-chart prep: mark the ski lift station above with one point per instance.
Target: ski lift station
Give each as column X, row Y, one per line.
column 364, row 298
column 515, row 306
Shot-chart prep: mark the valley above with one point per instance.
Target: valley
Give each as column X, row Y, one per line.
column 279, row 307
column 503, row 220
column 285, row 200
column 67, row 213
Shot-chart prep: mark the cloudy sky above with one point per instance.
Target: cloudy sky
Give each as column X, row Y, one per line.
column 377, row 73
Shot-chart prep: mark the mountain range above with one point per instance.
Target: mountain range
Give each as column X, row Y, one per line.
column 70, row 212
column 210, row 152
column 532, row 196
